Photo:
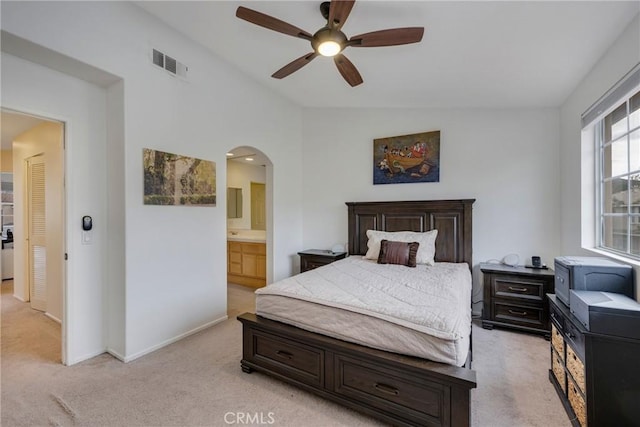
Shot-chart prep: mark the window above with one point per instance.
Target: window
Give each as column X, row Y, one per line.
column 618, row 175
column 6, row 211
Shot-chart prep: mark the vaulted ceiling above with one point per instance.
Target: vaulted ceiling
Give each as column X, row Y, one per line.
column 498, row 54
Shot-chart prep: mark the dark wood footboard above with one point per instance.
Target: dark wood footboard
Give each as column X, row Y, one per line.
column 401, row 390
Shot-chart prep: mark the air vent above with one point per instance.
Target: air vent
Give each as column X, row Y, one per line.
column 158, row 58
column 169, row 64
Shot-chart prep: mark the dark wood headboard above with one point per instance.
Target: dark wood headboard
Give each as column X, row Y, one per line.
column 452, row 219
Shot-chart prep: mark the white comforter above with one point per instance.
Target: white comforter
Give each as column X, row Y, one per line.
column 435, row 299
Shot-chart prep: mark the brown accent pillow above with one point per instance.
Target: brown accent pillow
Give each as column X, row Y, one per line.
column 402, row 253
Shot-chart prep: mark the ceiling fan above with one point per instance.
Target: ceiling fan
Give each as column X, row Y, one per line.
column 330, row 40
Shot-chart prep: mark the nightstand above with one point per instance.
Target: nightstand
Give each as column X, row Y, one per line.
column 515, row 297
column 314, row 258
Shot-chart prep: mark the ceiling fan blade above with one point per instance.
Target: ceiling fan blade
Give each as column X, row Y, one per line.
column 294, row 66
column 271, row 23
column 391, row 37
column 339, row 10
column 348, row 70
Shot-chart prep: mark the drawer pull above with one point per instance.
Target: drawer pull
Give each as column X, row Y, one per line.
column 284, row 354
column 386, row 389
column 511, row 288
column 519, row 313
column 554, row 316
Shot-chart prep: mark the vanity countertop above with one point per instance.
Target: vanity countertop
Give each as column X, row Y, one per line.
column 255, row 236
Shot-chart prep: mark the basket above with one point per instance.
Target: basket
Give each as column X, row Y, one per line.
column 557, row 341
column 558, row 371
column 577, row 402
column 576, row 369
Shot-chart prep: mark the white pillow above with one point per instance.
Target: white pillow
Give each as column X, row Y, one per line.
column 426, row 250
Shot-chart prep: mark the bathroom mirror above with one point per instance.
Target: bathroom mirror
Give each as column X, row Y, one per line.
column 234, row 202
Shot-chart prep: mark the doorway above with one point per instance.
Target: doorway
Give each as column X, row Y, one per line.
column 249, row 172
column 33, row 233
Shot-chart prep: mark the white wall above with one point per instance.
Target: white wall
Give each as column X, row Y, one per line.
column 38, row 90
column 619, row 59
column 240, row 175
column 175, row 286
column 505, row 159
column 114, row 290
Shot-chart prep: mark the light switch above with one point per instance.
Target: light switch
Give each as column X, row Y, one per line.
column 87, row 237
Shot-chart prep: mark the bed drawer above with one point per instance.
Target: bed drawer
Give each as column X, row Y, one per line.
column 401, row 394
column 288, row 357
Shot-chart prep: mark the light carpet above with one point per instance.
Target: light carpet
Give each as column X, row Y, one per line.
column 198, row 381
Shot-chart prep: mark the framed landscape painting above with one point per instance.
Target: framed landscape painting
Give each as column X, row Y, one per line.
column 173, row 179
column 407, row 158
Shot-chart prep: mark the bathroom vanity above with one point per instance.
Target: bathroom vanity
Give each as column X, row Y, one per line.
column 247, row 258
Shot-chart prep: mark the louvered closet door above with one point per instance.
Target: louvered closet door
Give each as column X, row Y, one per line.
column 36, row 223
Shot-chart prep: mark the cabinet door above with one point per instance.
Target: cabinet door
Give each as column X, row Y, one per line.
column 249, row 265
column 261, row 267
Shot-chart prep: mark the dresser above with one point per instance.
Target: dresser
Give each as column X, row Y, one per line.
column 597, row 377
column 514, row 297
column 314, row 258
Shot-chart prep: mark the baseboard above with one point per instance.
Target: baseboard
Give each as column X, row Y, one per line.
column 115, row 354
column 172, row 340
column 85, row 357
column 52, row 317
column 19, row 298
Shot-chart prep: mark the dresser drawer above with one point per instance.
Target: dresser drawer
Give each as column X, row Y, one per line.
column 575, row 338
column 314, row 258
column 518, row 288
column 312, row 263
column 506, row 311
column 394, row 391
column 557, row 317
column 297, row 360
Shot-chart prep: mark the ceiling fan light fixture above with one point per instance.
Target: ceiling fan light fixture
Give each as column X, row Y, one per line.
column 328, row 42
column 329, row 48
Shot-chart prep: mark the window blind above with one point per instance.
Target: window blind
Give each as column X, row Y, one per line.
column 630, row 81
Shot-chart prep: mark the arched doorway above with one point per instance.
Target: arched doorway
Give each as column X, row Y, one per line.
column 249, row 225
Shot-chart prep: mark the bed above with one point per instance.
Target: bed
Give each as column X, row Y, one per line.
column 398, row 388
